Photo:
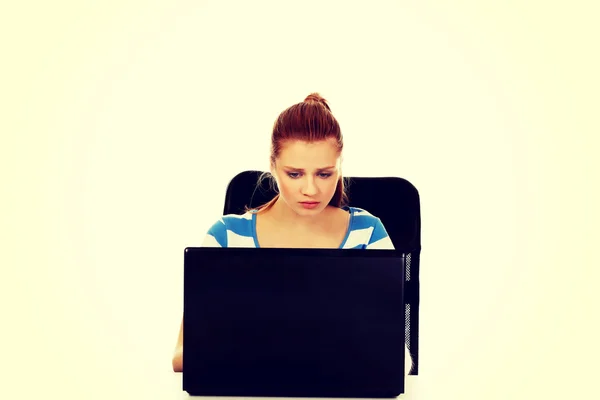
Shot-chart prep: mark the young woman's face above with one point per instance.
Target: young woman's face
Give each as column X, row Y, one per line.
column 307, row 175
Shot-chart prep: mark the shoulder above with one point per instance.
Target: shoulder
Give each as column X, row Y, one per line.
column 370, row 228
column 229, row 229
column 363, row 217
column 236, row 220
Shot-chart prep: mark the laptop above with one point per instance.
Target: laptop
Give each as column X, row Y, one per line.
column 271, row 322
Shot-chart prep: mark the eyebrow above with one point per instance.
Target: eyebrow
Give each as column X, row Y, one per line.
column 301, row 169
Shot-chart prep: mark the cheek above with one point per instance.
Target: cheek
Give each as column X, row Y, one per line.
column 329, row 186
column 289, row 187
column 286, row 187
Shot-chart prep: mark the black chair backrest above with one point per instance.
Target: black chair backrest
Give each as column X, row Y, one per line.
column 394, row 200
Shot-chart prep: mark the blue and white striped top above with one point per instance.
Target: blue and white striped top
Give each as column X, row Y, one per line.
column 365, row 231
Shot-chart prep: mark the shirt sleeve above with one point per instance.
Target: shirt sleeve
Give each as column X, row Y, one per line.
column 379, row 238
column 216, row 235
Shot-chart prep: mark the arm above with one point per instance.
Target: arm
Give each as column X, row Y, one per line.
column 408, row 362
column 178, row 356
column 216, row 237
column 381, row 240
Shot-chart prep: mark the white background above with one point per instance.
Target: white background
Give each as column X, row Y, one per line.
column 124, row 121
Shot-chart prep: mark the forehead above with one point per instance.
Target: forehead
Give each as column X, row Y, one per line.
column 308, row 155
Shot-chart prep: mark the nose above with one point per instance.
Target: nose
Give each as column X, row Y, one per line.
column 309, row 188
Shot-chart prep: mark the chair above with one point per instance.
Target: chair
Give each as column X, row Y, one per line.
column 394, row 200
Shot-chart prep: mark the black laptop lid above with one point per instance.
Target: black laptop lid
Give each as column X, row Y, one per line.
column 293, row 322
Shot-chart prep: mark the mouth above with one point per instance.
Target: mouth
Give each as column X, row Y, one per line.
column 310, row 205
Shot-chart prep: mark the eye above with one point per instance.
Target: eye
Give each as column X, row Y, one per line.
column 295, row 175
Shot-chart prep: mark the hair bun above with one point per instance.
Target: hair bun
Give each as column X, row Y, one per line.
column 316, row 97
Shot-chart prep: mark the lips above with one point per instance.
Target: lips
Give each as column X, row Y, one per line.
column 309, row 205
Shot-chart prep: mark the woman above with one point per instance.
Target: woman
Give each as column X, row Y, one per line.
column 309, row 209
